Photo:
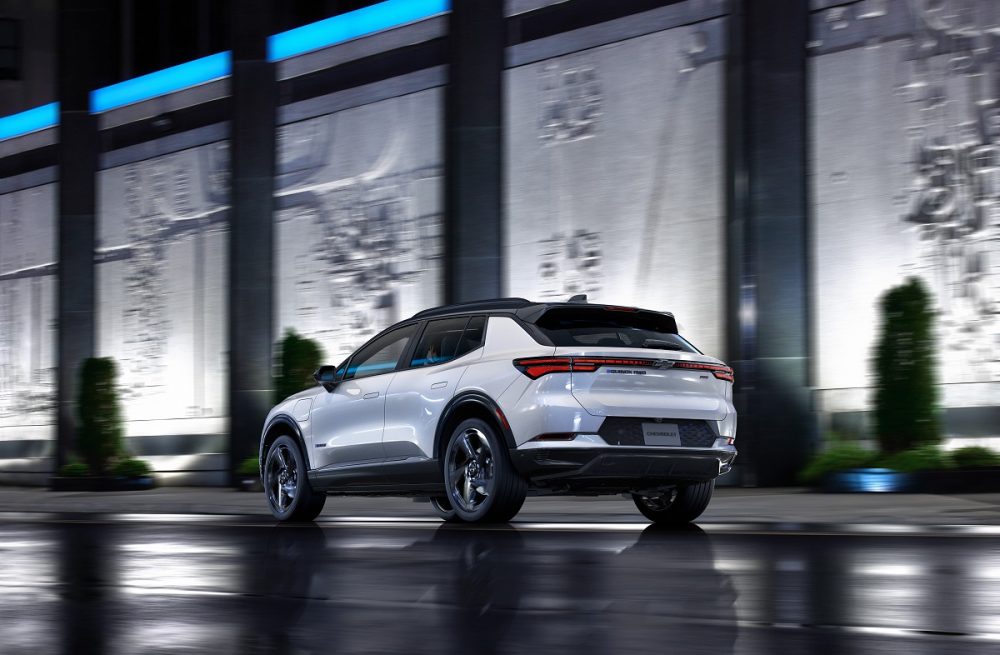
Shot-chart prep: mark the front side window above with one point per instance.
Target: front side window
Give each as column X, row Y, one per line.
column 381, row 355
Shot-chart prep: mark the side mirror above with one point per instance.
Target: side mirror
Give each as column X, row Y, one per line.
column 328, row 376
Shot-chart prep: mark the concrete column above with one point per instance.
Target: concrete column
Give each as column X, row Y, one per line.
column 252, row 150
column 473, row 151
column 768, row 236
column 85, row 61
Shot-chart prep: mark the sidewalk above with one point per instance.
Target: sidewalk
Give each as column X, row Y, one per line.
column 728, row 506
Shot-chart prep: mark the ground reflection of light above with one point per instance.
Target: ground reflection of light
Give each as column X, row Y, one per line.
column 891, row 570
column 149, row 568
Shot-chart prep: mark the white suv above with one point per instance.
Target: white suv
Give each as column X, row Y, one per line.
column 472, row 405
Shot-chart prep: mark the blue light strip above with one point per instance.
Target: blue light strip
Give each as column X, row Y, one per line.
column 39, row 118
column 162, row 82
column 351, row 25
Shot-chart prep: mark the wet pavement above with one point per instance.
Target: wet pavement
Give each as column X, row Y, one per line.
column 215, row 584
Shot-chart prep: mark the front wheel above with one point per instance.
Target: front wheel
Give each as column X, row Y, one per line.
column 481, row 482
column 286, row 484
column 683, row 505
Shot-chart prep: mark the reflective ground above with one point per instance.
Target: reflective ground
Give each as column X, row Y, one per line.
column 144, row 584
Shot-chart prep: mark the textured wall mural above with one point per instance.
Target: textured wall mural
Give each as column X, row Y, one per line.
column 906, row 147
column 27, row 313
column 359, row 240
column 614, row 172
column 162, row 301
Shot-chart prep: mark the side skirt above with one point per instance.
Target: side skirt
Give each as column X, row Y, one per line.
column 409, row 477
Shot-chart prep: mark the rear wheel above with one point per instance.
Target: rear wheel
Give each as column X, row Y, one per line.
column 683, row 505
column 481, row 482
column 286, row 485
column 442, row 507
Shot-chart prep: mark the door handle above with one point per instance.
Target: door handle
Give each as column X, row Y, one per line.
column 368, row 396
column 439, row 385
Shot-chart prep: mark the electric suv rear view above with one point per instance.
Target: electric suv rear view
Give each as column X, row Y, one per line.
column 476, row 405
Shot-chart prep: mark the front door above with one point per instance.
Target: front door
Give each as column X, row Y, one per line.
column 347, row 422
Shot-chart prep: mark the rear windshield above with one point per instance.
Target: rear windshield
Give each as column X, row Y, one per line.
column 592, row 326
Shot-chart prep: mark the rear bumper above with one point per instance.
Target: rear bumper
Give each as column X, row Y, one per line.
column 616, row 469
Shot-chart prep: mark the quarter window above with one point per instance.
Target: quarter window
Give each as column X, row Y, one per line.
column 381, row 355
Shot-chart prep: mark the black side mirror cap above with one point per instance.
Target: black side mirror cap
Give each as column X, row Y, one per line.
column 327, row 376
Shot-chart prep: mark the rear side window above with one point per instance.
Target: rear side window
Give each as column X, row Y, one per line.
column 599, row 327
column 473, row 337
column 440, row 342
column 448, row 339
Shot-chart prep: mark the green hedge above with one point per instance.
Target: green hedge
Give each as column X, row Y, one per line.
column 906, row 393
column 298, row 358
column 100, row 429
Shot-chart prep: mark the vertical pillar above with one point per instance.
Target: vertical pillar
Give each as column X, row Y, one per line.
column 84, row 61
column 252, row 151
column 473, row 151
column 768, row 236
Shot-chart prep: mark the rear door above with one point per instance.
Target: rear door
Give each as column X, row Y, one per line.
column 633, row 363
column 418, row 395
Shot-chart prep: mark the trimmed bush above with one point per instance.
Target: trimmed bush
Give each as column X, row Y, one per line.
column 838, row 458
column 923, row 458
column 74, row 470
column 130, row 468
column 298, row 359
column 906, row 395
column 100, row 428
column 248, row 467
column 972, row 457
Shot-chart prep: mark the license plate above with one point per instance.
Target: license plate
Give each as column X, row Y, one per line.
column 661, row 434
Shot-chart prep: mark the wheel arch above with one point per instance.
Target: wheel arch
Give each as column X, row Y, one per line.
column 470, row 404
column 281, row 425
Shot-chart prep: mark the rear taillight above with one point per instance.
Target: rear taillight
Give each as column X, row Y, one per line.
column 536, row 367
column 721, row 372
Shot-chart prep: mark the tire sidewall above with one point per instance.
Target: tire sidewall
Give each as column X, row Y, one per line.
column 301, row 491
column 499, row 467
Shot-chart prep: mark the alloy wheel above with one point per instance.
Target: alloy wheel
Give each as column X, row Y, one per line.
column 281, row 478
column 470, row 470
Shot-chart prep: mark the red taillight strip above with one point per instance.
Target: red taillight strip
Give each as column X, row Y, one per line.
column 721, row 372
column 536, row 367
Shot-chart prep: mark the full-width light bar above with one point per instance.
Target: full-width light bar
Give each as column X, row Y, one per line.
column 351, row 25
column 162, row 82
column 32, row 120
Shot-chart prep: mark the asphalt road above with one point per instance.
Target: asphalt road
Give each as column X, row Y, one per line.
column 215, row 584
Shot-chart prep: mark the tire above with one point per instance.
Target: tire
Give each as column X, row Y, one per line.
column 476, row 453
column 286, row 486
column 442, row 507
column 688, row 503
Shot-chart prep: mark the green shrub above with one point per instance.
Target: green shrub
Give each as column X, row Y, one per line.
column 905, row 386
column 972, row 457
column 838, row 458
column 100, row 427
column 298, row 359
column 248, row 467
column 923, row 458
column 130, row 468
column 74, row 470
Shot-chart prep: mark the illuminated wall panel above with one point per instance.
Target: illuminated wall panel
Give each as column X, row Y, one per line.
column 614, row 177
column 906, row 162
column 162, row 301
column 27, row 314
column 358, row 223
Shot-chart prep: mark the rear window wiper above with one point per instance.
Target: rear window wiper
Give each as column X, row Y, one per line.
column 658, row 344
